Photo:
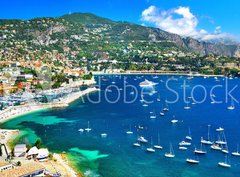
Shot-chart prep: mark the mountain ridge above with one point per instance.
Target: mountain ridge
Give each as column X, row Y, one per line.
column 200, row 47
column 43, row 32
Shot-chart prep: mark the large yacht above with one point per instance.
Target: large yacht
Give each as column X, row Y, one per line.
column 147, row 83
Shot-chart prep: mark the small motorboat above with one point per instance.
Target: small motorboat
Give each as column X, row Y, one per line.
column 182, row 148
column 104, row 135
column 142, row 139
column 220, row 129
column 81, row 130
column 162, row 114
column 184, row 143
column 170, row 154
column 137, row 144
column 174, row 121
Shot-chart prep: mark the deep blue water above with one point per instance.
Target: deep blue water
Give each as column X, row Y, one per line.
column 115, row 156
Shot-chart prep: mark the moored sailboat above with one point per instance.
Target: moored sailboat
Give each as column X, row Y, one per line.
column 184, row 143
column 158, row 146
column 236, row 153
column 193, row 161
column 129, row 132
column 151, row 149
column 208, row 141
column 232, row 107
column 200, row 151
column 170, row 154
column 88, row 129
column 225, row 164
column 189, row 136
column 216, row 147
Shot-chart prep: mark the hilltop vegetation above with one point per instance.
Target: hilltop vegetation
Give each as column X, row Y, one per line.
column 95, row 43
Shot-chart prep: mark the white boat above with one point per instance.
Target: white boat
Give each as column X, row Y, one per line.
column 108, row 90
column 170, row 154
column 220, row 129
column 174, row 121
column 225, row 149
column 137, row 144
column 145, row 105
column 236, row 153
column 187, row 107
column 88, row 129
column 200, row 151
column 216, row 147
column 147, row 83
column 232, row 107
column 225, row 164
column 208, row 141
column 153, row 91
column 151, row 149
column 189, row 136
column 162, row 114
column 142, row 139
column 153, row 115
column 140, row 127
column 165, row 109
column 182, row 148
column 158, row 146
column 81, row 130
column 104, row 135
column 184, row 143
column 221, row 141
column 129, row 132
column 150, row 94
column 192, row 161
column 190, row 78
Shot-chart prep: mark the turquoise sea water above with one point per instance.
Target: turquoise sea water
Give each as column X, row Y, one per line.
column 115, row 156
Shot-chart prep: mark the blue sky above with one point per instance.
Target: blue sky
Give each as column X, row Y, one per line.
column 211, row 16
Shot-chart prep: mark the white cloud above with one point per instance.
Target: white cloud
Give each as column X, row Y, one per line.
column 180, row 21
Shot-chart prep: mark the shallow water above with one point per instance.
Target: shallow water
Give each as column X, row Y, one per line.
column 115, row 156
